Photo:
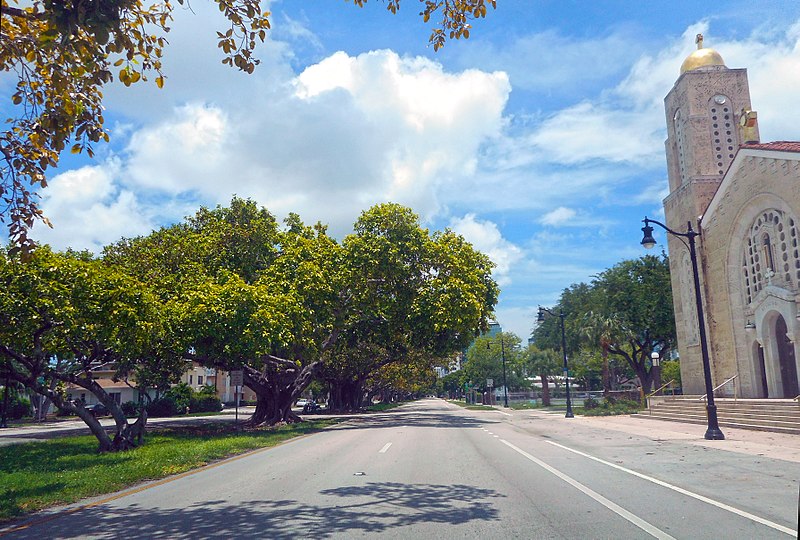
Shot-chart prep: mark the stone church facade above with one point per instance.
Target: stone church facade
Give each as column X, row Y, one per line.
column 743, row 196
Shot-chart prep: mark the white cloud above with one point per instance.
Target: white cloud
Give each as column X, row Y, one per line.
column 486, row 238
column 559, row 216
column 88, row 211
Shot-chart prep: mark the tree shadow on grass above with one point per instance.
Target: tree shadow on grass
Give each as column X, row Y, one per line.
column 371, row 508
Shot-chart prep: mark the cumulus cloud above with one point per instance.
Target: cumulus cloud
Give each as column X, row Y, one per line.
column 89, row 211
column 486, row 238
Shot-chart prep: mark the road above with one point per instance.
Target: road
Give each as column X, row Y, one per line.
column 435, row 470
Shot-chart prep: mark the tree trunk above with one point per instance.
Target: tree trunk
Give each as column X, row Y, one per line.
column 277, row 387
column 606, row 375
column 545, row 390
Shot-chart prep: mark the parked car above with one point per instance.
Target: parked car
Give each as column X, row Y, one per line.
column 301, row 402
column 98, row 409
column 311, row 406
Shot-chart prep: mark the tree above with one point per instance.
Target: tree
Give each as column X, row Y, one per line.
column 411, row 293
column 545, row 363
column 63, row 315
column 244, row 294
column 62, row 54
column 637, row 294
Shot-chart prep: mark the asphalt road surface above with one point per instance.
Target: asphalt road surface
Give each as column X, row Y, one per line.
column 434, row 470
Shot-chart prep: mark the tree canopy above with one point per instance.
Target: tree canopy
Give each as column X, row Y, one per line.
column 625, row 312
column 63, row 54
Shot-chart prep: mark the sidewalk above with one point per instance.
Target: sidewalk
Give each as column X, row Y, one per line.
column 781, row 446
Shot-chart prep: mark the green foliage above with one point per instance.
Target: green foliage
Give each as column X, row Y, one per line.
column 671, row 371
column 485, row 361
column 610, row 407
column 205, row 400
column 181, row 394
column 18, row 406
column 626, row 312
column 130, row 409
column 163, row 407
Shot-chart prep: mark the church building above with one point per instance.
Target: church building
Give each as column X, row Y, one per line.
column 743, row 197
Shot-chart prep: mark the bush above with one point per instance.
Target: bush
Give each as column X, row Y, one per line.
column 164, row 406
column 205, row 403
column 181, row 394
column 18, row 406
column 611, row 406
column 130, row 409
column 590, row 403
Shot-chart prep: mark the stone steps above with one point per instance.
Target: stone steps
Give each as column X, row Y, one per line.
column 782, row 416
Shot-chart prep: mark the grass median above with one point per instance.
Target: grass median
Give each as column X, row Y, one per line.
column 38, row 475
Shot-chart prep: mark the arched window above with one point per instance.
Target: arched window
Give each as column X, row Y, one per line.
column 766, row 254
column 771, row 254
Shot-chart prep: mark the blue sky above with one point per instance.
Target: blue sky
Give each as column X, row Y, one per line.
column 540, row 139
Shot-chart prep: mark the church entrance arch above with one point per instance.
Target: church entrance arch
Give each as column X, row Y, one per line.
column 786, row 359
column 760, row 385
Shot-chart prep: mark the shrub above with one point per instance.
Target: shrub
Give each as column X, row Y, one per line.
column 164, row 406
column 181, row 394
column 205, row 403
column 130, row 409
column 18, row 406
column 590, row 403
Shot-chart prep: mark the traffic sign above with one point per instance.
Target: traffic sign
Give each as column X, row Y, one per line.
column 237, row 378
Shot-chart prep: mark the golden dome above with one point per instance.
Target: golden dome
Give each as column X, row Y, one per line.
column 701, row 58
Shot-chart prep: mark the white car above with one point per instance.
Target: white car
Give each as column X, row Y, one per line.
column 301, row 402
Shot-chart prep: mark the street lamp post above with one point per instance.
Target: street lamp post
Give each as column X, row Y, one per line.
column 560, row 315
column 712, row 432
column 503, row 355
column 655, row 359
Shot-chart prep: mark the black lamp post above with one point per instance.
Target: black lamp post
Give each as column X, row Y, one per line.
column 713, row 432
column 540, row 318
column 503, row 355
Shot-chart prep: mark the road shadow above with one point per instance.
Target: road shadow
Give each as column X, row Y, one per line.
column 374, row 507
column 417, row 420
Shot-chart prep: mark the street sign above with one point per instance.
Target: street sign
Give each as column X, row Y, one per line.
column 237, row 378
column 490, row 383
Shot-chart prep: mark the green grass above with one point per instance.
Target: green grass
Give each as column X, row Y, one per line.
column 471, row 407
column 523, row 405
column 378, row 407
column 38, row 475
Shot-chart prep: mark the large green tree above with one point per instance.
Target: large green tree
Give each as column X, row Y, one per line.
column 411, row 293
column 246, row 294
column 63, row 54
column 625, row 312
column 64, row 315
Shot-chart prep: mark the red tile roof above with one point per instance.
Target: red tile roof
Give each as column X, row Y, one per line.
column 777, row 146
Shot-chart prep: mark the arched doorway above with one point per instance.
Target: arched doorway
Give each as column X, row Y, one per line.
column 760, row 385
column 786, row 359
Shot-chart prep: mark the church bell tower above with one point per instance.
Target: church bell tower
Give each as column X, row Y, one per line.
column 704, row 110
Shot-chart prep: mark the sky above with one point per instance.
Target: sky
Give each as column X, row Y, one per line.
column 540, row 139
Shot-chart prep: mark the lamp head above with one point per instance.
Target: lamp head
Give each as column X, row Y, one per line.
column 540, row 316
column 655, row 358
column 647, row 240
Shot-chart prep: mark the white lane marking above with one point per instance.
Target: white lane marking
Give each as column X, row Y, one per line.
column 496, row 436
column 501, row 412
column 385, row 448
column 636, row 520
column 683, row 491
